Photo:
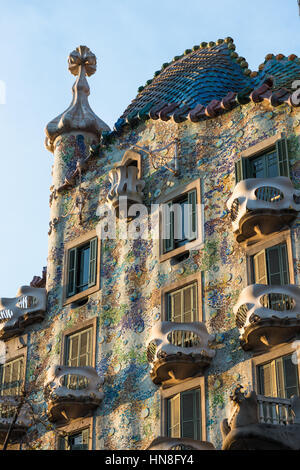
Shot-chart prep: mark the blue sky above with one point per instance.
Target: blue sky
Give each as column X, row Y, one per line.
column 131, row 39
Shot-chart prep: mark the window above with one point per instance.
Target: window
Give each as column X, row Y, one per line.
column 79, row 353
column 76, row 441
column 79, row 349
column 180, row 221
column 82, row 267
column 184, row 415
column 270, row 266
column 278, row 378
column 182, row 304
column 268, row 164
column 11, row 377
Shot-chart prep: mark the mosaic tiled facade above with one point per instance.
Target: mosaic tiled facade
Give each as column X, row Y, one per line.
column 219, row 113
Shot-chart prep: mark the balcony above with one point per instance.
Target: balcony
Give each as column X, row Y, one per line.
column 177, row 443
column 177, row 351
column 8, row 406
column 257, row 422
column 267, row 315
column 72, row 392
column 29, row 306
column 126, row 188
column 260, row 206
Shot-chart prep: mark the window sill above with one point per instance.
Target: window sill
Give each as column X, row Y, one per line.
column 195, row 244
column 80, row 295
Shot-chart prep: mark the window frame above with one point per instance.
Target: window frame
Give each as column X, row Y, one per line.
column 264, row 147
column 79, row 243
column 74, row 427
column 178, row 285
column 275, row 353
column 181, row 422
column 16, row 348
column 274, row 378
column 189, row 385
column 269, row 242
column 91, row 323
column 168, row 198
column 21, row 372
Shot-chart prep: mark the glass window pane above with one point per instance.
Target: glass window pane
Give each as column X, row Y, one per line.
column 271, row 165
column 258, row 169
column 290, row 377
column 83, row 270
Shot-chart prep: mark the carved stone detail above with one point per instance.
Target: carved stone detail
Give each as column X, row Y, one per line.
column 173, row 443
column 262, row 206
column 171, row 362
column 26, row 308
column 72, row 392
column 267, row 315
column 257, row 422
column 125, row 184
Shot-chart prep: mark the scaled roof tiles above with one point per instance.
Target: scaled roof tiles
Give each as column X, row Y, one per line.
column 209, row 80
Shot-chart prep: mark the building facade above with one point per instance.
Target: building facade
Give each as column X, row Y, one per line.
column 169, row 311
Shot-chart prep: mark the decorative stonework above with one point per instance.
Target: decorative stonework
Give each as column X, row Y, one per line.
column 262, row 206
column 72, row 392
column 261, row 423
column 79, row 116
column 177, row 351
column 173, row 443
column 125, row 185
column 267, row 315
column 27, row 307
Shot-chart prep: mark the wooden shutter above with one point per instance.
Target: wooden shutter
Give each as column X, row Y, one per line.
column 280, row 385
column 174, row 416
column 85, row 348
column 260, row 268
column 266, row 380
column 62, row 443
column 72, row 270
column 242, row 169
column 168, row 227
column 190, row 414
column 278, row 271
column 283, row 157
column 85, row 439
column 192, row 205
column 93, row 262
column 72, row 351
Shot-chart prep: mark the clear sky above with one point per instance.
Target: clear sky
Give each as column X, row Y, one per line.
column 131, row 39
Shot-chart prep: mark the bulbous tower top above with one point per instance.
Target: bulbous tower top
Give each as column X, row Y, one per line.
column 78, row 116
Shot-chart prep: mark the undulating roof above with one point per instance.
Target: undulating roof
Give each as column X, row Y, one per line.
column 208, row 80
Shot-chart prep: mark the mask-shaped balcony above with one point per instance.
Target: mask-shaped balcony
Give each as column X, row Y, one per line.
column 126, row 188
column 267, row 315
column 260, row 206
column 72, row 392
column 8, row 406
column 177, row 351
column 178, row 443
column 257, row 422
column 29, row 306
